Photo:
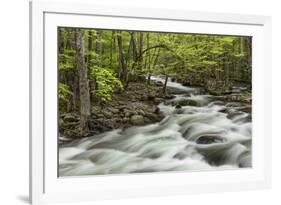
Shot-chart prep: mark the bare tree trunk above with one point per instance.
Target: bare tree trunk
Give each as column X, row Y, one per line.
column 90, row 48
column 151, row 58
column 148, row 78
column 147, row 59
column 226, row 72
column 128, row 56
column 72, row 45
column 156, row 58
column 131, row 54
column 75, row 98
column 61, row 41
column 242, row 69
column 146, row 55
column 249, row 58
column 140, row 50
column 99, row 46
column 92, row 82
column 165, row 84
column 123, row 66
column 112, row 44
column 135, row 52
column 83, row 84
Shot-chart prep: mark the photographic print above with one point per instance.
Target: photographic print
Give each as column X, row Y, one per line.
column 143, row 102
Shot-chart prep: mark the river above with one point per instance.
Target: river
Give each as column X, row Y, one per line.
column 213, row 135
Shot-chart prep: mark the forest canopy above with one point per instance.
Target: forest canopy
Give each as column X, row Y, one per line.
column 94, row 64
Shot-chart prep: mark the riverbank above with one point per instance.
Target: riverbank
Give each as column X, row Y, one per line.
column 235, row 92
column 136, row 106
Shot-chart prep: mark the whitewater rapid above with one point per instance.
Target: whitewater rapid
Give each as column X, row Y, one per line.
column 210, row 136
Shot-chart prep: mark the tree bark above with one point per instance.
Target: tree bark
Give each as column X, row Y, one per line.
column 76, row 95
column 90, row 48
column 123, row 66
column 226, row 71
column 165, row 84
column 128, row 56
column 92, row 81
column 135, row 52
column 74, row 79
column 61, row 41
column 147, row 56
column 242, row 69
column 99, row 46
column 147, row 59
column 139, row 57
column 83, row 84
column 112, row 44
column 249, row 58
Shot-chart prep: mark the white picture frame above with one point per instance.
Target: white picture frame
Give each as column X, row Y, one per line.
column 46, row 187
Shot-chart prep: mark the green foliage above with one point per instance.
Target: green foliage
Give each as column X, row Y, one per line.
column 64, row 92
column 67, row 60
column 106, row 82
column 221, row 58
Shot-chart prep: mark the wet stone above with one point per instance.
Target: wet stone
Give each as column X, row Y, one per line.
column 209, row 139
column 137, row 120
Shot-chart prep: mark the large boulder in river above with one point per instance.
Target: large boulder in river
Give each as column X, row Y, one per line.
column 209, row 139
column 178, row 106
column 137, row 120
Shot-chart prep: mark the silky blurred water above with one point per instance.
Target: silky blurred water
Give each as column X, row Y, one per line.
column 210, row 136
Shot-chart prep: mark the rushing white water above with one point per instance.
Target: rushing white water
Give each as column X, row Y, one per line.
column 194, row 138
column 171, row 84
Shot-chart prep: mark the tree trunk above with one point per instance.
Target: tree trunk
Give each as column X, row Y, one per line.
column 165, row 84
column 61, row 41
column 128, row 56
column 70, row 43
column 147, row 59
column 147, row 53
column 112, row 44
column 151, row 58
column 249, row 58
column 140, row 50
column 131, row 54
column 83, row 84
column 148, row 78
column 92, row 82
column 75, row 97
column 242, row 68
column 226, row 71
column 123, row 66
column 90, row 48
column 135, row 52
column 99, row 47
